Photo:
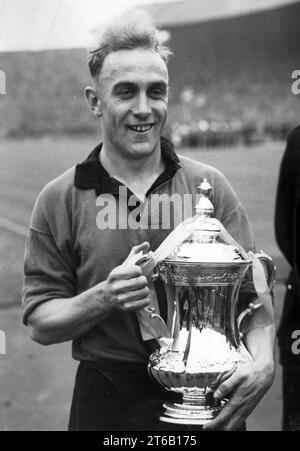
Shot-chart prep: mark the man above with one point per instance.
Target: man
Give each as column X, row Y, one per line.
column 287, row 233
column 80, row 282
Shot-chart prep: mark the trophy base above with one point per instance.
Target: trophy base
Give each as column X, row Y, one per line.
column 195, row 411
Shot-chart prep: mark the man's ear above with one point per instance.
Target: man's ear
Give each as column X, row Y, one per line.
column 93, row 101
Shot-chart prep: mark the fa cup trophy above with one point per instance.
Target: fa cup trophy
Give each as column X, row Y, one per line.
column 200, row 344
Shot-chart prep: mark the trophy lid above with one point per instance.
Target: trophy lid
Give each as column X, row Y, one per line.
column 204, row 245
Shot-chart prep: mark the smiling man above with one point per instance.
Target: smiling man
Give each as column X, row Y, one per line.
column 131, row 128
column 81, row 282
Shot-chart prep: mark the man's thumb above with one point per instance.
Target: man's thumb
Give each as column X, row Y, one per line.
column 136, row 253
column 144, row 247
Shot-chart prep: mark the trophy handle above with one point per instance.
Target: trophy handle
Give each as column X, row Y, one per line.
column 264, row 275
column 151, row 323
column 264, row 278
column 248, row 311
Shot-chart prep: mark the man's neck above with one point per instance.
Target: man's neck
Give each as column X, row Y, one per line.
column 137, row 175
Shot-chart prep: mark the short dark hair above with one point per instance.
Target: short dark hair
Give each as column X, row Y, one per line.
column 131, row 30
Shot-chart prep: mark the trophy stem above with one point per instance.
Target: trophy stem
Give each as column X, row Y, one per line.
column 194, row 409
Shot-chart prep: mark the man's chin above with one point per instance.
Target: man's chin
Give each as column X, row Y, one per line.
column 142, row 150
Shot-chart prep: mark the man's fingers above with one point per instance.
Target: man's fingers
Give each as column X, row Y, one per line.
column 222, row 378
column 135, row 295
column 134, row 305
column 127, row 288
column 225, row 388
column 245, row 396
column 136, row 283
column 236, row 410
column 230, row 384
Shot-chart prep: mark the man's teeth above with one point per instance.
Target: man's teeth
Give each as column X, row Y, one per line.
column 140, row 128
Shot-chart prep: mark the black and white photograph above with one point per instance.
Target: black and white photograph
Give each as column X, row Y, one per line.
column 149, row 218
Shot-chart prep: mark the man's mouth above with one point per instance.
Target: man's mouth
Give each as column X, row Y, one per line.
column 140, row 128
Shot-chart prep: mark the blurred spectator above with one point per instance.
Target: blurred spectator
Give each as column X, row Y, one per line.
column 287, row 226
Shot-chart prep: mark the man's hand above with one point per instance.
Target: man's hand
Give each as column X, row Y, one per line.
column 246, row 387
column 126, row 288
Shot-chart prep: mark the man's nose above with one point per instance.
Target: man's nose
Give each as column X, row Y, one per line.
column 142, row 106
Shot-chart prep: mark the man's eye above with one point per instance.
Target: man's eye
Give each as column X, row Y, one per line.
column 157, row 93
column 125, row 93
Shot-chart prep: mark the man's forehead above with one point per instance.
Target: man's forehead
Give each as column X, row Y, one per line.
column 134, row 65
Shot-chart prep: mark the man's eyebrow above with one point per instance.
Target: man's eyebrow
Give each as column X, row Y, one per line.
column 132, row 85
column 123, row 84
column 159, row 84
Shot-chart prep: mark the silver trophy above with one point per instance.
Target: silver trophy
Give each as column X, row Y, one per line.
column 200, row 343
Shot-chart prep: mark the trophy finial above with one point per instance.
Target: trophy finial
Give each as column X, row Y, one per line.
column 205, row 187
column 205, row 207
